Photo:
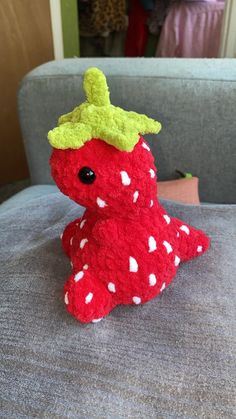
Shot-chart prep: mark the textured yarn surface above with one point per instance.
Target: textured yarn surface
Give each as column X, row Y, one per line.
column 97, row 118
column 125, row 249
column 173, row 357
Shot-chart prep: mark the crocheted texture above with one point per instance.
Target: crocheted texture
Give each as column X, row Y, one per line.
column 97, row 118
column 125, row 249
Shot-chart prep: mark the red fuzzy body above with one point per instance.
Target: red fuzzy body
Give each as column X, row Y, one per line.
column 125, row 249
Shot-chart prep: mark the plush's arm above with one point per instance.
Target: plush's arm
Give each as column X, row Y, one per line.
column 68, row 235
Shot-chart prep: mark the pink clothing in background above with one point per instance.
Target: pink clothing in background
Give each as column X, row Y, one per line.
column 192, row 30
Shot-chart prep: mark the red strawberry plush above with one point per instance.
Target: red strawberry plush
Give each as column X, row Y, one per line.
column 125, row 249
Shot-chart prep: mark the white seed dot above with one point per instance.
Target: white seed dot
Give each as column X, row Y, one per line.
column 152, row 173
column 111, row 287
column 167, row 218
column 144, row 145
column 125, row 179
column 66, row 299
column 83, row 243
column 61, row 235
column 89, row 298
column 177, row 234
column 133, row 265
column 71, row 240
column 85, row 267
column 152, row 280
column 79, row 276
column 152, row 244
column 185, row 229
column 71, row 264
column 199, row 249
column 82, row 223
column 177, row 261
column 163, row 286
column 136, row 300
column 135, row 196
column 168, row 247
column 97, row 320
column 151, row 203
column 101, row 203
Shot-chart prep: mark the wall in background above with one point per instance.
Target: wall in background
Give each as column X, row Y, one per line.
column 65, row 28
column 228, row 36
column 26, row 42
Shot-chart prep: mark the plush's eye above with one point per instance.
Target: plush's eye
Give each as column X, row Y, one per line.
column 86, row 175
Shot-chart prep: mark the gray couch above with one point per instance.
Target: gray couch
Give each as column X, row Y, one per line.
column 173, row 357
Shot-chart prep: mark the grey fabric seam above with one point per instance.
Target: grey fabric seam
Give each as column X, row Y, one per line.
column 29, row 78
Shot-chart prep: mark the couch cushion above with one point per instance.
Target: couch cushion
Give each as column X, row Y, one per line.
column 26, row 195
column 188, row 96
column 173, row 357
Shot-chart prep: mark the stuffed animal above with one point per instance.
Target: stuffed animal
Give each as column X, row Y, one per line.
column 125, row 249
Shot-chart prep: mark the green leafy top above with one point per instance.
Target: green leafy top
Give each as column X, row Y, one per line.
column 97, row 118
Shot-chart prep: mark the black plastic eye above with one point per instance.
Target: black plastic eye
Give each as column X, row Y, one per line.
column 86, row 175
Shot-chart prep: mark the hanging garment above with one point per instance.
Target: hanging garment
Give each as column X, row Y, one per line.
column 158, row 15
column 148, row 4
column 109, row 15
column 192, row 30
column 85, row 12
column 137, row 33
column 102, row 16
column 114, row 44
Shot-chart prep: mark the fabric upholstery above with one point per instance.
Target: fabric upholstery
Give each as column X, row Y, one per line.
column 173, row 357
column 26, row 195
column 187, row 96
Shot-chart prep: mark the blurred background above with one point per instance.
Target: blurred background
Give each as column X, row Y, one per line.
column 33, row 32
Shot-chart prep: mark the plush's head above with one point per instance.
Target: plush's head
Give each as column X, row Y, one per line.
column 99, row 159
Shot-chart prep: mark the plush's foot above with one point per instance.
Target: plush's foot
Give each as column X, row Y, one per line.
column 87, row 299
column 192, row 242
